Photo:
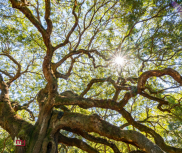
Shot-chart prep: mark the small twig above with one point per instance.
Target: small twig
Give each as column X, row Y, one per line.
column 5, row 143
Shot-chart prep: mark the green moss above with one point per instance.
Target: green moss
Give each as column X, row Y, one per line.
column 22, row 132
column 49, row 131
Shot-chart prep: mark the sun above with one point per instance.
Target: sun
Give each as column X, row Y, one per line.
column 119, row 60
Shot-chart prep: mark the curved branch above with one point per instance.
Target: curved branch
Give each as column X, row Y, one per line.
column 76, row 142
column 158, row 139
column 17, row 107
column 5, row 143
column 18, row 71
column 22, row 7
column 72, row 29
column 94, row 139
column 130, row 31
column 80, row 51
column 89, row 103
column 109, row 104
column 103, row 80
column 94, row 123
column 158, row 73
column 47, row 16
column 10, row 121
column 7, row 74
column 161, row 101
column 65, row 76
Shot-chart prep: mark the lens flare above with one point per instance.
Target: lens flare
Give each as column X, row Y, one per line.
column 119, row 60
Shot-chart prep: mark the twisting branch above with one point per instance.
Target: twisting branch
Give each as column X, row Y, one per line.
column 12, row 123
column 161, row 101
column 90, row 22
column 86, row 103
column 158, row 73
column 5, row 143
column 80, row 51
column 130, row 31
column 65, row 76
column 76, row 142
column 7, row 74
column 72, row 29
column 90, row 137
column 158, row 139
column 18, row 71
column 23, row 8
column 93, row 62
column 93, row 123
column 109, row 104
column 117, row 87
column 15, row 105
column 47, row 17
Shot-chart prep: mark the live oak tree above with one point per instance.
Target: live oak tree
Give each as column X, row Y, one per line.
column 62, row 81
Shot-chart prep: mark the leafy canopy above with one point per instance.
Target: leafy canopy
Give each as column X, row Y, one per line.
column 81, row 40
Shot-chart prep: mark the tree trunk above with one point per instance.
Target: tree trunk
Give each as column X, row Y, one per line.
column 28, row 148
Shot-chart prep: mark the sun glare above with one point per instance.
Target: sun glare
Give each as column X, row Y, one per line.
column 119, row 60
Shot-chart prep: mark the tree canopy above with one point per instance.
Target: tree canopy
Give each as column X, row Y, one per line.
column 90, row 76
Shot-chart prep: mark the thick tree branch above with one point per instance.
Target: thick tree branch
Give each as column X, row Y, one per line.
column 94, row 123
column 109, row 104
column 76, row 142
column 4, row 90
column 158, row 139
column 158, row 73
column 89, row 137
column 89, row 103
column 10, row 121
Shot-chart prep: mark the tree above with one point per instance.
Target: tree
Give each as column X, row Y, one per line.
column 98, row 75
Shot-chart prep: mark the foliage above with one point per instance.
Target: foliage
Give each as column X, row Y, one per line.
column 72, row 46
